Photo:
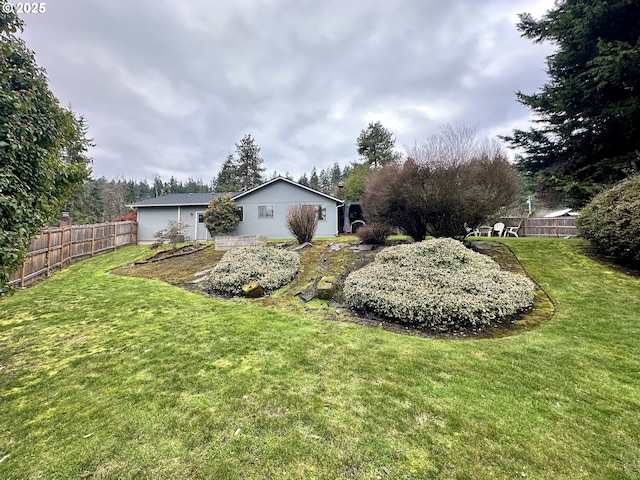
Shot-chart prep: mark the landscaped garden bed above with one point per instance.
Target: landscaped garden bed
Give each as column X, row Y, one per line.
column 327, row 261
column 440, row 285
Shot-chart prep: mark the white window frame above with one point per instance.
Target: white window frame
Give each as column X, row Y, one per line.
column 321, row 209
column 268, row 211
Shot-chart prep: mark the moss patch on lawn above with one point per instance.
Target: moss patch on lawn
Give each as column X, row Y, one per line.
column 177, row 269
column 321, row 261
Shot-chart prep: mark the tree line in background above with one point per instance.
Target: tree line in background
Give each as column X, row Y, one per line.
column 102, row 200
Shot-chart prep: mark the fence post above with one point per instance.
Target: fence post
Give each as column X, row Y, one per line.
column 47, row 256
column 93, row 238
column 71, row 244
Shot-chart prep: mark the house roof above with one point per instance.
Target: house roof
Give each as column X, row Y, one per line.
column 188, row 199
column 178, row 200
column 284, row 179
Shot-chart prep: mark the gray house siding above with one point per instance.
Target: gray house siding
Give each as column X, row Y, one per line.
column 276, row 201
column 264, row 211
column 151, row 220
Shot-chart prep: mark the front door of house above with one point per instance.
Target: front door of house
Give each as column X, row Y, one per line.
column 201, row 229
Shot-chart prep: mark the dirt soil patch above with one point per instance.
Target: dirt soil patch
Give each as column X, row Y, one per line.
column 338, row 259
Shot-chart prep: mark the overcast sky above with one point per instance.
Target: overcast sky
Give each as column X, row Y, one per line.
column 168, row 87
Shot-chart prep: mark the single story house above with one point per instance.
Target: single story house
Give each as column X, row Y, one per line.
column 262, row 210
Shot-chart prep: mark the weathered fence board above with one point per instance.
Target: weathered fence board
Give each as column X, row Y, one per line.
column 549, row 227
column 56, row 247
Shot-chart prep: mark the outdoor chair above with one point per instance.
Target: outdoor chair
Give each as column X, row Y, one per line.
column 513, row 230
column 471, row 232
column 497, row 230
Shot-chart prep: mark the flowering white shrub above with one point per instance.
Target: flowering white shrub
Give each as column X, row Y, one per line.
column 438, row 284
column 270, row 267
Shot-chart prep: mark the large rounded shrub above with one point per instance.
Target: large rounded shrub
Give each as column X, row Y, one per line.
column 269, row 267
column 611, row 222
column 438, row 284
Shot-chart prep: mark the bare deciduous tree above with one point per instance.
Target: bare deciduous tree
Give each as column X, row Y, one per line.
column 452, row 179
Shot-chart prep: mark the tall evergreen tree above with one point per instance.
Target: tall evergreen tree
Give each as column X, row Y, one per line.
column 314, row 180
column 304, row 180
column 336, row 175
column 249, row 165
column 324, row 181
column 375, row 145
column 228, row 179
column 587, row 126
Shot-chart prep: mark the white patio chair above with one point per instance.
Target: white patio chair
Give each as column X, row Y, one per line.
column 513, row 230
column 497, row 230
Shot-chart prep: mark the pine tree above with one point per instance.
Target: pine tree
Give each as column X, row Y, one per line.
column 228, row 179
column 587, row 127
column 324, row 182
column 375, row 145
column 314, row 181
column 304, row 180
column 249, row 165
column 336, row 175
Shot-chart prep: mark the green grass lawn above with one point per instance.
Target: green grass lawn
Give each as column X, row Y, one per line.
column 103, row 376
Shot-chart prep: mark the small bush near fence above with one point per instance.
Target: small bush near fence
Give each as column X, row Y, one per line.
column 438, row 284
column 269, row 267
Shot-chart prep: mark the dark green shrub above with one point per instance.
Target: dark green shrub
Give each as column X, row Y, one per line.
column 611, row 222
column 221, row 216
column 373, row 233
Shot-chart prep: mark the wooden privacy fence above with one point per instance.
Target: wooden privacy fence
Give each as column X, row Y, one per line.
column 56, row 247
column 549, row 227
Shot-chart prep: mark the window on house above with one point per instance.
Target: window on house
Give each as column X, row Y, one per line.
column 201, row 218
column 265, row 211
column 241, row 213
column 321, row 209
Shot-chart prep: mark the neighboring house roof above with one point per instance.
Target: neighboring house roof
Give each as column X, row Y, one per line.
column 561, row 213
column 188, row 199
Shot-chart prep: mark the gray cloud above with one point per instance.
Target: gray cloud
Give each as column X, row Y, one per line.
column 169, row 87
